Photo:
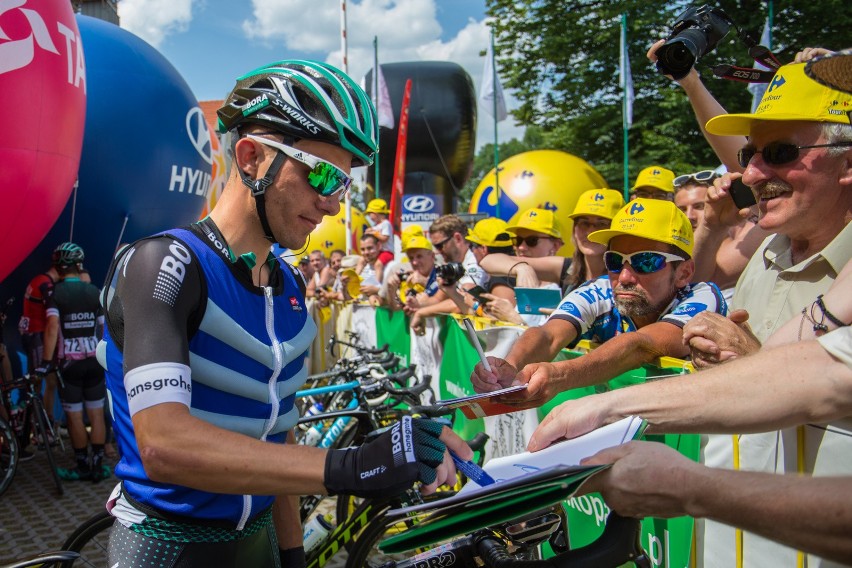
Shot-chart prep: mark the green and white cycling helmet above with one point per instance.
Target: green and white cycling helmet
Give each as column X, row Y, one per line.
column 68, row 254
column 305, row 100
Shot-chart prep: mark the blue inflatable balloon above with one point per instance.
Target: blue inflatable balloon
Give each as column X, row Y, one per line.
column 146, row 159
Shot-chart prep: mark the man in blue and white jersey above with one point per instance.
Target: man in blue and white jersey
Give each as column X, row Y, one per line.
column 206, row 339
column 637, row 311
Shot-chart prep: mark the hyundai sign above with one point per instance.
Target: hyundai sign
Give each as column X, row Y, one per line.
column 421, row 210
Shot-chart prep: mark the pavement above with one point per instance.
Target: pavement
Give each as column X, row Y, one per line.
column 33, row 518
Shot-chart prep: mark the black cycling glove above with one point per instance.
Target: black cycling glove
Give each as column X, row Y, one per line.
column 407, row 452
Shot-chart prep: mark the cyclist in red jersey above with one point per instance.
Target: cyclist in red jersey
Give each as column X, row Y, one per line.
column 32, row 324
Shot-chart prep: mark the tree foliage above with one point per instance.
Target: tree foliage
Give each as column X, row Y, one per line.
column 560, row 59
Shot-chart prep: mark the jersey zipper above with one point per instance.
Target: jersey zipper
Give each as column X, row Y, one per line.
column 272, row 387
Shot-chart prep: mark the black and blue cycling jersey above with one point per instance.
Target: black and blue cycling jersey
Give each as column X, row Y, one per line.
column 246, row 355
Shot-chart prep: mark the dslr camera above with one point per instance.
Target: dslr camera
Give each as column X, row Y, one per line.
column 696, row 32
column 451, row 272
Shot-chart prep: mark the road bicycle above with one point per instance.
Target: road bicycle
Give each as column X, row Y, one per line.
column 8, row 455
column 30, row 419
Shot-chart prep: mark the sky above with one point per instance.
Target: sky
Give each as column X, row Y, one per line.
column 212, row 42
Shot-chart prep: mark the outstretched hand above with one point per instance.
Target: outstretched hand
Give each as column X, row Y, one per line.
column 647, row 479
column 714, row 339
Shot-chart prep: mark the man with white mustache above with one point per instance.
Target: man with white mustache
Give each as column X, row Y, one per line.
column 798, row 162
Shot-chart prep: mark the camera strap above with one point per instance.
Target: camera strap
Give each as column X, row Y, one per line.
column 760, row 53
column 743, row 74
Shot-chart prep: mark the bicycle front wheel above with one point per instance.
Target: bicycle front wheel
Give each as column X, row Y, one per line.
column 91, row 540
column 8, row 455
column 42, row 431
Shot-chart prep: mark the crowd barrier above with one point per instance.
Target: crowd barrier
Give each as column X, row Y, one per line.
column 445, row 352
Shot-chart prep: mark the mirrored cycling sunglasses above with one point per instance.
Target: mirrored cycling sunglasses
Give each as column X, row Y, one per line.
column 325, row 178
column 704, row 176
column 642, row 262
column 780, row 153
column 530, row 241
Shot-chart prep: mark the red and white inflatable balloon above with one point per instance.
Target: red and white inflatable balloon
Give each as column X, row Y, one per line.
column 43, row 112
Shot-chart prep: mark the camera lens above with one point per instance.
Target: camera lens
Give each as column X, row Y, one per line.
column 451, row 272
column 677, row 56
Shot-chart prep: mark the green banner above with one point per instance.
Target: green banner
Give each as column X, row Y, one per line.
column 456, row 366
column 392, row 328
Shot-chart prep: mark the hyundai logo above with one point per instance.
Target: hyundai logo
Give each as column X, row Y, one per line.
column 419, row 204
column 199, row 134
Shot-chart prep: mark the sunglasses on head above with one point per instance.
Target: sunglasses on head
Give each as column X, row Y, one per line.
column 530, row 241
column 642, row 262
column 325, row 178
column 780, row 153
column 704, row 176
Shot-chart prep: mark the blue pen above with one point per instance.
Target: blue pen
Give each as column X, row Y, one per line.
column 472, row 471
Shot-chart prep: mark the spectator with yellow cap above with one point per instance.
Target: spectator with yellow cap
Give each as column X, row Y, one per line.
column 798, row 163
column 594, row 210
column 637, row 311
column 415, row 284
column 488, row 236
column 537, row 233
column 380, row 227
column 654, row 182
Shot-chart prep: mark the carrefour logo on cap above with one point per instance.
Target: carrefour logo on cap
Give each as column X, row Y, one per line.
column 636, row 208
column 777, row 81
column 656, row 172
column 598, row 197
column 532, row 214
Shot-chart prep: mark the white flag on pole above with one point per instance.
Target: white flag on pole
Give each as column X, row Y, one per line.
column 384, row 103
column 491, row 88
column 625, row 79
column 757, row 89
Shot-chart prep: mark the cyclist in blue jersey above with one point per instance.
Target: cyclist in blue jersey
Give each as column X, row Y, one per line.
column 206, row 340
column 637, row 311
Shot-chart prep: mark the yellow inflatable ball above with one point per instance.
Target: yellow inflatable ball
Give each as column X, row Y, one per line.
column 544, row 179
column 331, row 233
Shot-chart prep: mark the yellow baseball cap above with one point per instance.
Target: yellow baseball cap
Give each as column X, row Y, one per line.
column 791, row 95
column 490, row 232
column 656, row 177
column 652, row 219
column 412, row 230
column 600, row 202
column 416, row 242
column 538, row 220
column 377, row 206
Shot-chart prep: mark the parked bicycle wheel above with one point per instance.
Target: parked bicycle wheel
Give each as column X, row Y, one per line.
column 43, row 432
column 8, row 455
column 91, row 540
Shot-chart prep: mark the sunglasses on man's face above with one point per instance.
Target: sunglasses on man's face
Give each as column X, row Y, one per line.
column 530, row 241
column 439, row 246
column 324, row 178
column 642, row 262
column 780, row 153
